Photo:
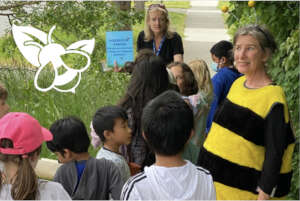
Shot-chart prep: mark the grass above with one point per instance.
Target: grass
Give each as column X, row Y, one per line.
column 177, row 22
column 95, row 90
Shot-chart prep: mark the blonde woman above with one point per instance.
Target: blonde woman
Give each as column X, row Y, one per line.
column 157, row 36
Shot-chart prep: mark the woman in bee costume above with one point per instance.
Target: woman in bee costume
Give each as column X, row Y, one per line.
column 249, row 147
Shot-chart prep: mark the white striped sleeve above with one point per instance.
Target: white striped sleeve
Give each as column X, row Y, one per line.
column 128, row 188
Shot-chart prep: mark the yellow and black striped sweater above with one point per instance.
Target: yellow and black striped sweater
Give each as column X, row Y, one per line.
column 250, row 143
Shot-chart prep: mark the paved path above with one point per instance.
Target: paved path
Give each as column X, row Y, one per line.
column 4, row 24
column 204, row 27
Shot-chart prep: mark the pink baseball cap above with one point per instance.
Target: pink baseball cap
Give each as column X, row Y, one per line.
column 24, row 131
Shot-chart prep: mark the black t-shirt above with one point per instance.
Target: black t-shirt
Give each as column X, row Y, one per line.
column 169, row 48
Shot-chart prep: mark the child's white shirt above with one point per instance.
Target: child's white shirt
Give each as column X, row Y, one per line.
column 187, row 182
column 47, row 190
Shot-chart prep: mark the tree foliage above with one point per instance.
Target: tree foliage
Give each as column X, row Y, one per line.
column 74, row 20
column 282, row 19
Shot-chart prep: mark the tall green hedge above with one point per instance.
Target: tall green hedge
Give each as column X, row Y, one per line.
column 282, row 19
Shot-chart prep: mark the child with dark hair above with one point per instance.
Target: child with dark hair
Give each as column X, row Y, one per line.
column 110, row 124
column 83, row 176
column 222, row 56
column 149, row 79
column 4, row 107
column 171, row 177
column 21, row 138
column 143, row 54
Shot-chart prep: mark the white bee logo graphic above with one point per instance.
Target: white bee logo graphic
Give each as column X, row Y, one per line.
column 40, row 55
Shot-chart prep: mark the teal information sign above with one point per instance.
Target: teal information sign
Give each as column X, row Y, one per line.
column 119, row 47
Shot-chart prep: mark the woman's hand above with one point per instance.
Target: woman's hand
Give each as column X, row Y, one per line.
column 262, row 195
column 116, row 67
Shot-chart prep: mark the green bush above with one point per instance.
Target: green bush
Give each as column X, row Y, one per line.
column 282, row 19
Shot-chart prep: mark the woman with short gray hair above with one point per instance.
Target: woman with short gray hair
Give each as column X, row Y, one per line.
column 250, row 144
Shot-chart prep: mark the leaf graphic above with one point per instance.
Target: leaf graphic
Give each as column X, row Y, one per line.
column 29, row 49
column 85, row 45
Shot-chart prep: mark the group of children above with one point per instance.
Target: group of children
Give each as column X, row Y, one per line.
column 141, row 137
column 83, row 177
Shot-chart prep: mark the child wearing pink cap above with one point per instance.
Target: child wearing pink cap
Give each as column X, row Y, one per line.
column 4, row 108
column 21, row 138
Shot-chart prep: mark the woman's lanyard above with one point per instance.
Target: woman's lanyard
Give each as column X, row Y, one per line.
column 160, row 45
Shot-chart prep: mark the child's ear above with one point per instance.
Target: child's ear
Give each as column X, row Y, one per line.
column 67, row 154
column 223, row 60
column 107, row 134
